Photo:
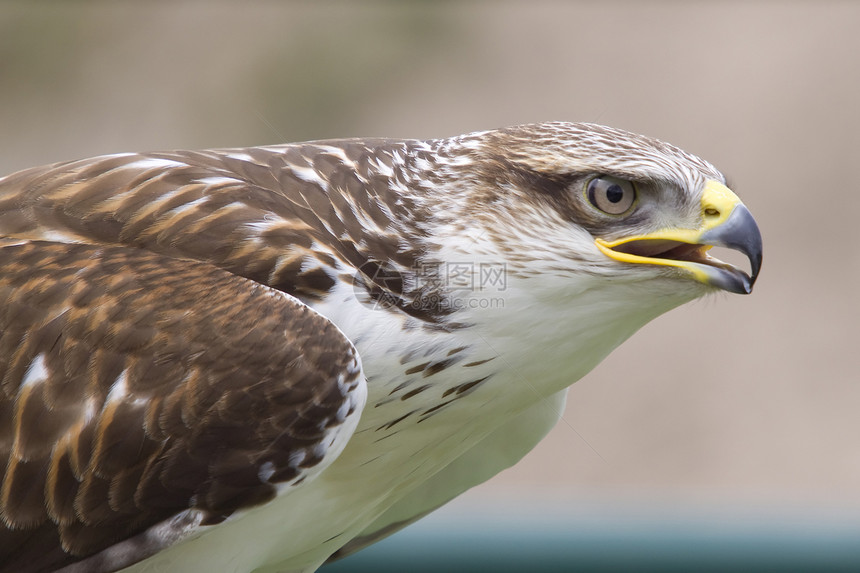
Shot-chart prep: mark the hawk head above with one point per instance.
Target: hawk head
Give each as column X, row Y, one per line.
column 595, row 204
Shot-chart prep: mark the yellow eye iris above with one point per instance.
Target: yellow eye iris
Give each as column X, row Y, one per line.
column 611, row 195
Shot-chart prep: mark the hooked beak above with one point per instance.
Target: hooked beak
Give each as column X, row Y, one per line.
column 726, row 222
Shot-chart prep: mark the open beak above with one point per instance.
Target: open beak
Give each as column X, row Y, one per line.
column 726, row 222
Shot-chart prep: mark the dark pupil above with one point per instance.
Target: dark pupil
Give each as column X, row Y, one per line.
column 614, row 194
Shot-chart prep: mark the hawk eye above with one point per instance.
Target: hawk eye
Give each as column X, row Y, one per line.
column 611, row 195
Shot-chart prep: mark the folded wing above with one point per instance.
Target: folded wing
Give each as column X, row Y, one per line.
column 144, row 393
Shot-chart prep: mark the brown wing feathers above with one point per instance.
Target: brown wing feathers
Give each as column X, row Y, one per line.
column 134, row 385
column 276, row 217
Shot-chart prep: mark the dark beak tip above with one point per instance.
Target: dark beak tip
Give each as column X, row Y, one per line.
column 754, row 253
column 756, row 267
column 740, row 232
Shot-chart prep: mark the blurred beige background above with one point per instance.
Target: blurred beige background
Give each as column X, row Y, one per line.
column 733, row 399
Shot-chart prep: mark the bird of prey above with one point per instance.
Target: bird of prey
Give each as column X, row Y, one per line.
column 261, row 359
